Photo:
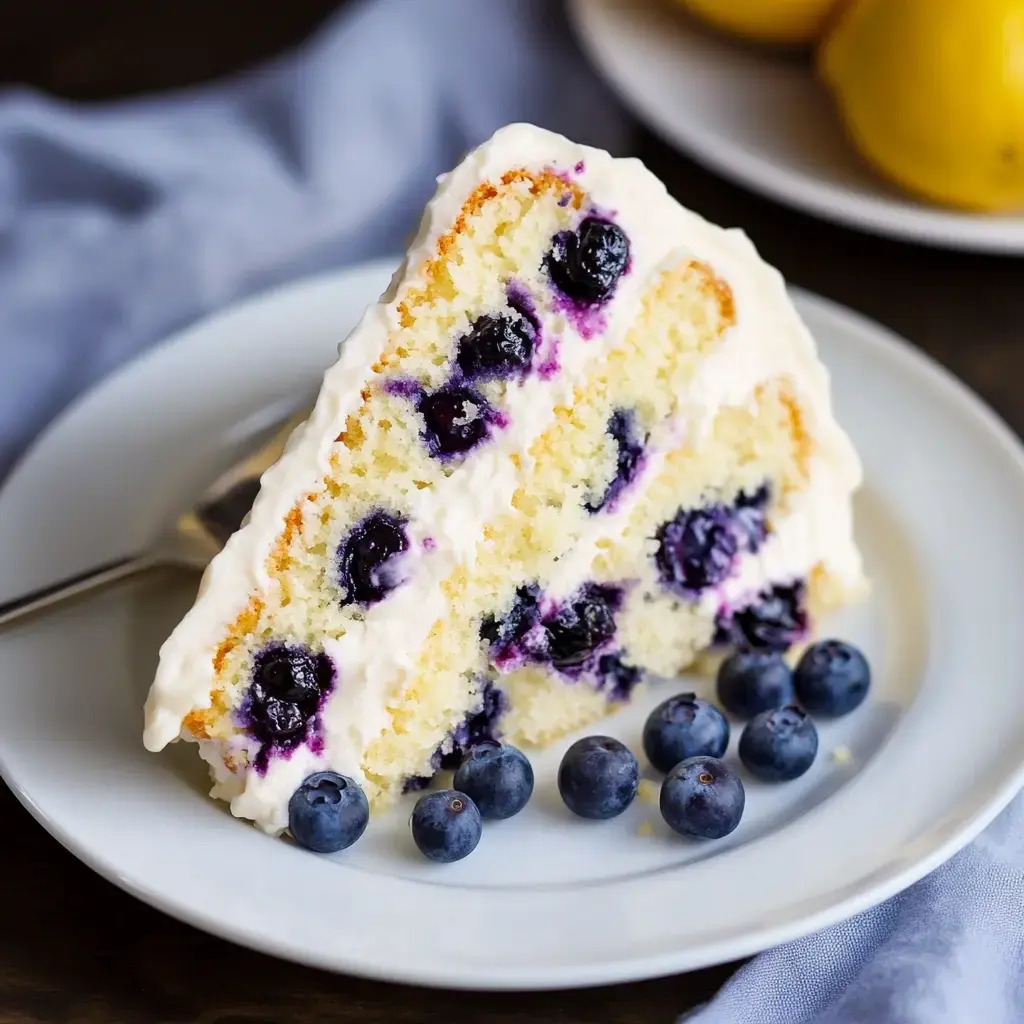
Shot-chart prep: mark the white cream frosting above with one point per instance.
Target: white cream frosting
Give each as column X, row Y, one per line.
column 768, row 340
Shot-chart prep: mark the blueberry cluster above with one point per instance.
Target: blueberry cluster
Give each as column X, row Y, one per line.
column 598, row 777
column 288, row 686
column 572, row 636
column 698, row 547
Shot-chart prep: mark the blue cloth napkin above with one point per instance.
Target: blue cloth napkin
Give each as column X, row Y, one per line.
column 120, row 223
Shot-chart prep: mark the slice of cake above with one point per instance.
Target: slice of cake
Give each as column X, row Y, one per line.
column 583, row 437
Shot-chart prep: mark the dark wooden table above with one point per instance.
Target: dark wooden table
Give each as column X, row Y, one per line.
column 76, row 949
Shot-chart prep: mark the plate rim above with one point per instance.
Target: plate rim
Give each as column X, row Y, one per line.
column 631, row 968
column 880, row 216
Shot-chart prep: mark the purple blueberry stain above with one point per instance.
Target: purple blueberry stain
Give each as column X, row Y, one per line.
column 628, row 460
column 403, row 387
column 281, row 709
column 579, row 167
column 369, row 559
column 617, row 679
column 565, row 200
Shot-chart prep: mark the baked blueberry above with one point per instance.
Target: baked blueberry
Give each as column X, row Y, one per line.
column 702, row 797
column 498, row 778
column 367, row 557
column 579, row 628
column 598, row 777
column 629, row 455
column 697, row 549
column 749, row 518
column 503, row 634
column 832, row 678
column 683, row 727
column 327, row 813
column 750, row 682
column 774, row 622
column 479, row 726
column 288, row 683
column 455, row 419
column 615, row 678
column 779, row 745
column 445, row 826
column 497, row 346
column 587, row 263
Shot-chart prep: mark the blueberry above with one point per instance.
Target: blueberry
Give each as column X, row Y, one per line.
column 615, row 678
column 366, row 558
column 832, row 678
column 683, row 727
column 697, row 549
column 750, row 682
column 587, row 263
column 504, row 634
column 598, row 777
column 288, row 683
column 497, row 778
column 455, row 419
column 749, row 518
column 480, row 725
column 580, row 627
column 327, row 813
column 779, row 745
column 445, row 826
column 497, row 346
column 774, row 622
column 702, row 797
column 629, row 455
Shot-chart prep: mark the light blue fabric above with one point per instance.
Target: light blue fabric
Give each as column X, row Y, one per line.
column 948, row 950
column 120, row 223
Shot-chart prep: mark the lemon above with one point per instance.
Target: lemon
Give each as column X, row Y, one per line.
column 932, row 94
column 765, row 21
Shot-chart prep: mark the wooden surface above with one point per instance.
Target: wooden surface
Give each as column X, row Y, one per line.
column 76, row 949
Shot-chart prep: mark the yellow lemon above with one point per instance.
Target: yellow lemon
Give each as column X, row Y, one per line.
column 932, row 94
column 766, row 21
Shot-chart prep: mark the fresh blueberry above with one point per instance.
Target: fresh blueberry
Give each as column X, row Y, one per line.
column 750, row 682
column 327, row 813
column 697, row 549
column 455, row 419
column 366, row 558
column 629, row 455
column 479, row 726
column 587, row 263
column 683, row 727
column 445, row 826
column 287, row 685
column 779, row 745
column 832, row 678
column 598, row 777
column 497, row 346
column 580, row 627
column 774, row 622
column 702, row 797
column 498, row 778
column 615, row 678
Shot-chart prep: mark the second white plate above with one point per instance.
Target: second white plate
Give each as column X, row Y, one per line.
column 546, row 900
column 762, row 120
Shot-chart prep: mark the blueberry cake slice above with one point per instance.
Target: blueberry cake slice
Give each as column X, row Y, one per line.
column 583, row 438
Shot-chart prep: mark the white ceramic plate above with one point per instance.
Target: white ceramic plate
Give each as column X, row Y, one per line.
column 761, row 119
column 546, row 900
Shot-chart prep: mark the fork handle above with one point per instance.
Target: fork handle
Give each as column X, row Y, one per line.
column 87, row 582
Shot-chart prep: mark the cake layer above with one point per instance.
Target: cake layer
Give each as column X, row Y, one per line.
column 582, row 437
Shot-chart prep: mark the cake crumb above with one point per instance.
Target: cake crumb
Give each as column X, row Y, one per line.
column 842, row 755
column 649, row 792
column 645, row 828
